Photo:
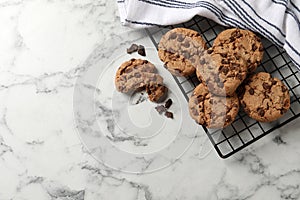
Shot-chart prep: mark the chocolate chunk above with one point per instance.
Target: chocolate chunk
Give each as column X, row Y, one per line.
column 173, row 36
column 160, row 109
column 180, row 38
column 128, row 70
column 209, row 51
column 169, row 114
column 283, row 89
column 168, row 103
column 132, row 48
column 254, row 47
column 251, row 91
column 224, row 55
column 224, row 61
column 228, row 118
column 200, row 98
column 266, row 86
column 141, row 50
column 186, row 44
column 202, row 61
column 225, row 70
column 274, row 82
column 261, row 112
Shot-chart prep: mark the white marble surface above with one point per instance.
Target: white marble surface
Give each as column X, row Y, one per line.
column 44, row 47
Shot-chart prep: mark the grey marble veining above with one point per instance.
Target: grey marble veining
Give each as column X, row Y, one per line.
column 46, row 47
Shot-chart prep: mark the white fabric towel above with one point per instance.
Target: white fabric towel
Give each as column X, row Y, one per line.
column 277, row 20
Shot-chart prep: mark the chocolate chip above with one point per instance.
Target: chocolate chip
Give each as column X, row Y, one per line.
column 173, row 36
column 141, row 50
column 261, row 112
column 209, row 51
column 224, row 55
column 234, row 34
column 231, row 39
column 235, row 105
column 251, row 91
column 132, row 48
column 168, row 103
column 160, row 109
column 225, row 70
column 266, row 86
column 261, row 48
column 274, row 82
column 180, row 38
column 202, row 61
column 186, row 44
column 224, row 61
column 169, row 114
column 200, row 98
column 254, row 47
column 228, row 118
column 283, row 89
column 128, row 70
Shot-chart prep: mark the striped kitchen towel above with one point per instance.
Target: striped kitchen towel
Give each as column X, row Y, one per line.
column 277, row 20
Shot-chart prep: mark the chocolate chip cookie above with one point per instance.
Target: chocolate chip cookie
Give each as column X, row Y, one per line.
column 140, row 74
column 178, row 49
column 210, row 110
column 222, row 72
column 264, row 98
column 243, row 43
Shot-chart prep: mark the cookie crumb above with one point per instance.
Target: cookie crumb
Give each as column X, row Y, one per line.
column 141, row 50
column 160, row 109
column 169, row 114
column 168, row 103
column 132, row 48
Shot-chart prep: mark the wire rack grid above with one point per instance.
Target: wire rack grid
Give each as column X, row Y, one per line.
column 244, row 130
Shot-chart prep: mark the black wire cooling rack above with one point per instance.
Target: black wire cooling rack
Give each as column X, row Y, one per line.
column 244, row 130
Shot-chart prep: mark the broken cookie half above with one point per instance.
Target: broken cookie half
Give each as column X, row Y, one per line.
column 138, row 74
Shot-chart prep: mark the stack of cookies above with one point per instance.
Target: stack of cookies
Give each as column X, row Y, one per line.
column 223, row 69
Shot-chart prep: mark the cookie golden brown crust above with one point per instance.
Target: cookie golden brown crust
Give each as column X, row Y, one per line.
column 210, row 110
column 264, row 98
column 178, row 49
column 242, row 42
